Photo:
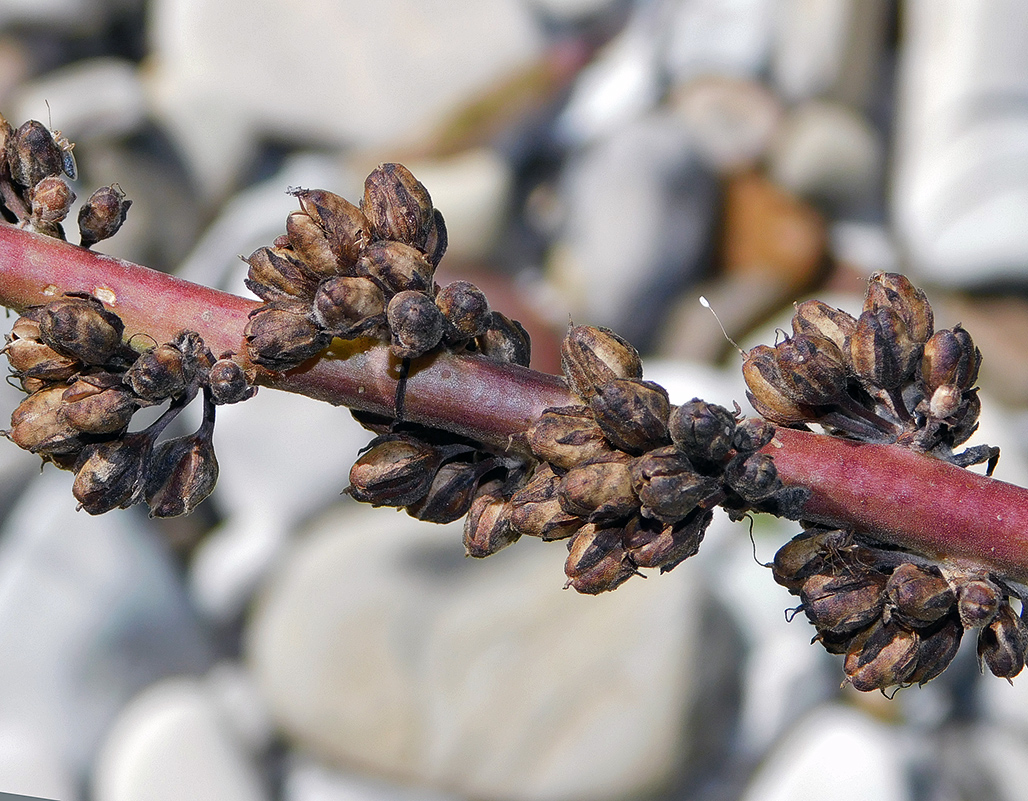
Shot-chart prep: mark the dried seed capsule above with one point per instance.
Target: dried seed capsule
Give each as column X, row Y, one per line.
column 632, row 414
column 99, row 404
column 978, row 602
column 536, row 510
column 917, row 596
column 754, row 476
column 451, row 492
column 276, row 274
column 488, row 528
column 596, row 560
column 950, row 357
column 591, row 357
column 30, row 357
column 938, row 646
column 102, row 215
column 435, row 245
column 811, row 552
column 395, row 470
column 396, row 267
column 885, row 658
column 506, row 341
column 650, row 543
column 228, row 382
column 34, row 154
column 415, row 324
column 160, row 373
column 38, row 424
column 349, row 307
column 668, row 485
column 6, row 144
column 815, row 318
column 110, row 475
column 181, row 474
column 752, row 434
column 567, row 435
column 964, row 422
column 313, row 246
column 882, row 352
column 78, row 326
column 397, row 205
column 701, row 430
column 466, row 310
column 280, row 337
column 1003, row 644
column 813, row 369
column 51, row 200
column 895, row 291
column 945, row 402
column 768, row 392
column 842, row 603
column 348, row 230
column 598, row 491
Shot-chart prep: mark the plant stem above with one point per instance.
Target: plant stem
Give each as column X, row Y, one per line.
column 904, row 498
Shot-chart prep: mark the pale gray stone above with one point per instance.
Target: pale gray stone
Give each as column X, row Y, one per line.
column 30, row 765
column 377, row 644
column 718, row 37
column 307, row 779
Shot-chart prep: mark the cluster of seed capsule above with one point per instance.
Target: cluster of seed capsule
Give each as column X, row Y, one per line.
column 34, row 194
column 886, row 376
column 346, row 271
column 898, row 618
column 84, row 386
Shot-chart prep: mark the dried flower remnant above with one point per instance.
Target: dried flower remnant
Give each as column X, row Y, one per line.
column 102, row 215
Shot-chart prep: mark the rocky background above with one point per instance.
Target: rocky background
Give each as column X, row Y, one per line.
column 607, row 159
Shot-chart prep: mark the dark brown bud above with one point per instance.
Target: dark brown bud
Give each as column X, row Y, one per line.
column 394, row 470
column 917, row 596
column 38, row 424
column 415, row 324
column 811, row 552
column 51, row 200
column 466, row 310
column 228, row 382
column 754, row 476
column 591, row 357
column 892, row 290
column 1003, row 643
column 80, row 327
column 102, row 215
column 312, row 245
column 398, row 206
column 818, row 319
column 99, row 404
column 276, row 274
column 650, row 543
column 632, row 414
column 597, row 561
column 438, row 239
column 668, row 485
column 451, row 493
column 978, row 602
column 160, row 373
column 598, row 491
column 768, row 392
column 844, row 602
column 30, row 357
column 950, row 357
column 109, row 475
column 348, row 230
column 281, row 337
column 506, row 341
column 396, row 267
column 882, row 352
column 536, row 510
column 885, row 658
column 752, row 434
column 701, row 430
column 487, row 528
column 181, row 474
column 34, row 154
column 813, row 369
column 938, row 646
column 349, row 307
column 566, row 436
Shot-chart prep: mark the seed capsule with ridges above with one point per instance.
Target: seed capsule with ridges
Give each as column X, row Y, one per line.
column 487, row 528
column 506, row 340
column 917, row 596
column 276, row 274
column 811, row 552
column 396, row 267
column 978, row 602
column 598, row 491
column 38, row 424
column 30, row 357
column 632, row 414
column 312, row 245
column 110, row 475
column 668, row 485
column 591, row 357
column 348, row 230
column 842, row 603
column 885, row 658
column 102, row 215
column 159, row 373
column 936, row 650
column 567, row 435
column 415, row 324
column 596, row 560
column 895, row 291
column 768, row 392
column 51, row 200
column 349, row 307
column 98, row 404
column 536, row 510
column 34, row 154
column 181, row 474
column 650, row 543
column 754, row 476
column 281, row 337
column 702, row 430
column 950, row 357
column 1002, row 644
column 882, row 351
column 397, row 205
column 466, row 310
column 228, row 382
column 80, row 327
column 813, row 369
column 451, row 493
column 435, row 246
column 395, row 470
column 815, row 318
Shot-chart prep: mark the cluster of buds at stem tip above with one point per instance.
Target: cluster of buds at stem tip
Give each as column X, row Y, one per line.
column 886, row 376
column 350, row 271
column 84, row 385
column 898, row 618
column 34, row 194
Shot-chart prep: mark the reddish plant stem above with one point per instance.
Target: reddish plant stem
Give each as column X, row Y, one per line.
column 904, row 498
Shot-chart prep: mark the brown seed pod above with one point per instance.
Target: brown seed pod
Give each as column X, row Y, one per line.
column 1003, row 644
column 752, row 434
column 30, row 357
column 466, row 310
column 394, row 470
column 228, row 382
column 768, row 392
column 917, row 596
column 452, row 491
column 102, row 215
column 181, row 474
column 936, row 650
column 79, row 326
column 591, row 357
column 650, row 543
column 99, row 404
column 506, row 340
column 978, row 601
column 886, row 657
column 882, row 351
column 51, row 200
column 487, row 528
column 396, row 267
column 632, row 414
column 415, row 324
column 346, row 227
column 565, row 436
column 841, row 603
column 813, row 551
column 753, row 476
column 110, row 475
column 276, row 274
column 313, row 246
column 818, row 319
column 159, row 373
column 435, row 245
column 279, row 337
column 535, row 509
column 34, row 154
column 892, row 290
column 398, row 206
column 349, row 307
column 668, row 485
column 597, row 561
column 701, row 430
column 813, row 369
column 950, row 357
column 38, row 424
column 598, row 490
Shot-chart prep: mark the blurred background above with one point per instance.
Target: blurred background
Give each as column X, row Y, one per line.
column 603, row 160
